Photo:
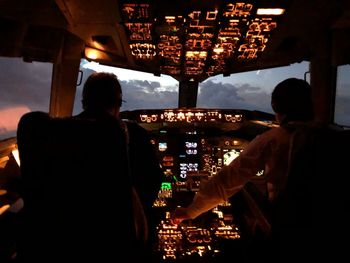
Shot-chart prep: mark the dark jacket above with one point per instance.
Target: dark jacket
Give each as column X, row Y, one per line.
column 145, row 171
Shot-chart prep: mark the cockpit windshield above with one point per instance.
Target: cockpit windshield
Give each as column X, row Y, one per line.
column 248, row 90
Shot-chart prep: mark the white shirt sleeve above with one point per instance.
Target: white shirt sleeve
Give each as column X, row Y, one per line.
column 230, row 179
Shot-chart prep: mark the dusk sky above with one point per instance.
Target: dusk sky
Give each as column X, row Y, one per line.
column 250, row 90
column 26, row 87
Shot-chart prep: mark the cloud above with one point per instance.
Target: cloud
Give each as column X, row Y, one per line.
column 342, row 111
column 25, row 83
column 9, row 121
column 343, row 89
column 213, row 95
column 138, row 94
column 147, row 95
column 28, row 85
column 246, row 88
column 147, row 86
column 229, row 96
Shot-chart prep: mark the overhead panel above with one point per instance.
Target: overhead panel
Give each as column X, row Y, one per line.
column 197, row 40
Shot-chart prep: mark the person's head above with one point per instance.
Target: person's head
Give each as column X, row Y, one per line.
column 291, row 101
column 102, row 92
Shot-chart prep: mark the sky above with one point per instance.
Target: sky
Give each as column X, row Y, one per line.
column 26, row 87
column 249, row 90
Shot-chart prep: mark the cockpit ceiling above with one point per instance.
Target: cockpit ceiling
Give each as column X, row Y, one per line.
column 189, row 40
column 195, row 39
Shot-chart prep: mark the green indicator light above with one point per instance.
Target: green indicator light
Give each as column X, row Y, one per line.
column 166, row 186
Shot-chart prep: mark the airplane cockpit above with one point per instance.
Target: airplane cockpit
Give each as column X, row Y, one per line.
column 192, row 145
column 196, row 75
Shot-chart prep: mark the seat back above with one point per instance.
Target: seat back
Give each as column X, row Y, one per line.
column 76, row 190
column 311, row 215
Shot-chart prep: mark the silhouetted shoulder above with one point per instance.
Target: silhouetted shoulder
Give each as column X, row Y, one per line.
column 135, row 128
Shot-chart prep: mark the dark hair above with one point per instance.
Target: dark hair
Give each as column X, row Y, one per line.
column 292, row 97
column 102, row 91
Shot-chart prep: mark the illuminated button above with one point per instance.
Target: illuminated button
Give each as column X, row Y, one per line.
column 4, row 208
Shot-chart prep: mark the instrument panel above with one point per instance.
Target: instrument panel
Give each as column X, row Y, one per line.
column 193, row 145
column 189, row 156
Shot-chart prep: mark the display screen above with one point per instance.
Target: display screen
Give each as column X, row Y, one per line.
column 230, row 156
column 187, row 167
column 162, row 146
column 191, row 148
